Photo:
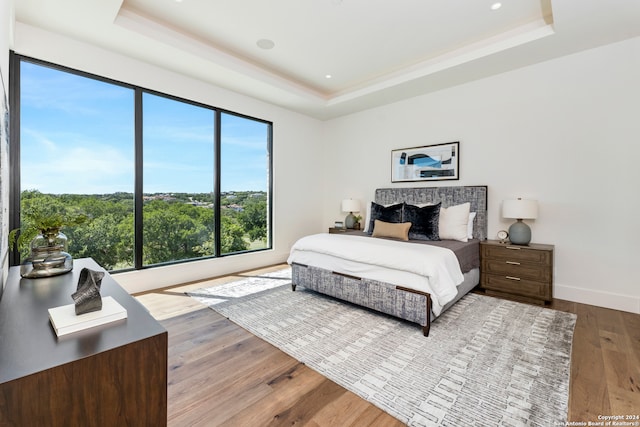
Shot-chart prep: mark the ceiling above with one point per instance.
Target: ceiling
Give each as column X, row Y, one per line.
column 376, row 51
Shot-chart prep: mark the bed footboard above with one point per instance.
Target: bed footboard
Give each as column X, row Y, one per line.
column 404, row 303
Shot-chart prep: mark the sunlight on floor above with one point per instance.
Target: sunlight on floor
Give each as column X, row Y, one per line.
column 171, row 302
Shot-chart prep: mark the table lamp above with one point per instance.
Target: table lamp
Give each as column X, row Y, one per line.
column 519, row 232
column 351, row 206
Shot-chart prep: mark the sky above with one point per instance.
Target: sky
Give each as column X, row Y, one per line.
column 77, row 137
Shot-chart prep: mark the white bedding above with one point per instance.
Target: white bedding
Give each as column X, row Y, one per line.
column 421, row 267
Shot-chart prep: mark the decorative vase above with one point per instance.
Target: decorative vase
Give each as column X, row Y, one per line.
column 48, row 256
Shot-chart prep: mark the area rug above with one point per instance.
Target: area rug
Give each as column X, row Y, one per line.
column 487, row 361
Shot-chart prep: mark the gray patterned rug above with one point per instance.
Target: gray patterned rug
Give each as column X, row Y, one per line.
column 486, row 362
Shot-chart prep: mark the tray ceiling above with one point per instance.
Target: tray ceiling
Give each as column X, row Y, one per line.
column 327, row 58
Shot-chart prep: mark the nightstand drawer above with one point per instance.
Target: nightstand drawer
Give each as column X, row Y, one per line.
column 522, row 287
column 516, row 253
column 517, row 269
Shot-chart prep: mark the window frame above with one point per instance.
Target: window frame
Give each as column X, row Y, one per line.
column 15, row 61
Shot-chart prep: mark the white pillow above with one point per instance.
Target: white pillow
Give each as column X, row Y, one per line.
column 472, row 216
column 453, row 222
column 367, row 218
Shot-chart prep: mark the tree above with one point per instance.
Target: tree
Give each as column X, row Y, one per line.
column 231, row 236
column 103, row 241
column 254, row 219
column 173, row 231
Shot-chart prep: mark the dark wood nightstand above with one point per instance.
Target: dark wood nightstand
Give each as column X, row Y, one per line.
column 334, row 230
column 521, row 273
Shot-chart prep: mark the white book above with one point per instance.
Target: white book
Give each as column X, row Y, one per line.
column 65, row 320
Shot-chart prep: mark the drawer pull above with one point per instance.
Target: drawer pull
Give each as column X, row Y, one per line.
column 515, row 248
column 512, row 278
column 513, row 262
column 348, row 276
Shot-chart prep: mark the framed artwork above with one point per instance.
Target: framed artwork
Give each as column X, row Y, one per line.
column 428, row 163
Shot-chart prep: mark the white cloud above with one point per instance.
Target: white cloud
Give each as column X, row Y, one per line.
column 97, row 169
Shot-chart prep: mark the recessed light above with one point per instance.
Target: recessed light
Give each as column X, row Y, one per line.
column 496, row 6
column 265, row 44
column 328, row 76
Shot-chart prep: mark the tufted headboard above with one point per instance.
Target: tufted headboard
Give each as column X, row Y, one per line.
column 448, row 196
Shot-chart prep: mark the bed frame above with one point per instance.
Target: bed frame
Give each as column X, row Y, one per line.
column 408, row 304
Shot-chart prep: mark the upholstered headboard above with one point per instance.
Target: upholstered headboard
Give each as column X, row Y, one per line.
column 448, row 196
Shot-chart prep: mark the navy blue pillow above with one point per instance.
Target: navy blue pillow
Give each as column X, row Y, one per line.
column 391, row 213
column 424, row 221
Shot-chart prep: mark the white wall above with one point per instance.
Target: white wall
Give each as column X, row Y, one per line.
column 565, row 132
column 297, row 142
column 6, row 19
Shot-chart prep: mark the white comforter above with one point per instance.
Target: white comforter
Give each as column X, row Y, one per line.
column 425, row 268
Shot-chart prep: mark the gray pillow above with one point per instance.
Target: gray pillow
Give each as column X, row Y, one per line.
column 391, row 214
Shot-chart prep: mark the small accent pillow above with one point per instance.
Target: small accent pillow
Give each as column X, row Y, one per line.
column 453, row 222
column 424, row 221
column 393, row 230
column 392, row 213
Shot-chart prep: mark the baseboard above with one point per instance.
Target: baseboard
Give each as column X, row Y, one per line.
column 598, row 298
column 171, row 275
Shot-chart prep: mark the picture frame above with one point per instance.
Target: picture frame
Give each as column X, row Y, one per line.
column 437, row 162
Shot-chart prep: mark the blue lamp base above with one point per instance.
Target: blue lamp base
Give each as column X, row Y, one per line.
column 519, row 233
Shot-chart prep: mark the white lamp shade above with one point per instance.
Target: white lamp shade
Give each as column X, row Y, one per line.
column 350, row 205
column 520, row 209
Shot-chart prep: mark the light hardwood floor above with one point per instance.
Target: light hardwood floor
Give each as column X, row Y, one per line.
column 220, row 374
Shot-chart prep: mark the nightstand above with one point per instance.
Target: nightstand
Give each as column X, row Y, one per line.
column 521, row 273
column 334, row 230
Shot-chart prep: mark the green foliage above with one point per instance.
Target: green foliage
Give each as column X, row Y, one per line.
column 231, row 236
column 42, row 213
column 176, row 228
column 254, row 219
column 108, row 239
column 173, row 231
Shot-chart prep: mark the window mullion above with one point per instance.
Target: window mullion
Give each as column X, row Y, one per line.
column 14, row 151
column 216, row 183
column 138, row 188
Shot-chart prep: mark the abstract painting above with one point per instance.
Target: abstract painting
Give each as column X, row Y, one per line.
column 428, row 163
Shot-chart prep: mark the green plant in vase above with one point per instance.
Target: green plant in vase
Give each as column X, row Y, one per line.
column 357, row 224
column 40, row 238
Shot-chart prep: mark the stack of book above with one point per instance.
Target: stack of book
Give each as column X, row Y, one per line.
column 65, row 320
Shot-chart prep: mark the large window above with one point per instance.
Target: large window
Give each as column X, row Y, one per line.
column 245, row 158
column 77, row 150
column 178, row 180
column 162, row 179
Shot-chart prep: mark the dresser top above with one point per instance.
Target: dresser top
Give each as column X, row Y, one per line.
column 28, row 343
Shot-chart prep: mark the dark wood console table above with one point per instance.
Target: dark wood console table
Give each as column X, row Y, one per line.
column 110, row 375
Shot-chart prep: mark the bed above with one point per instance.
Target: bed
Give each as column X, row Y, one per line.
column 393, row 276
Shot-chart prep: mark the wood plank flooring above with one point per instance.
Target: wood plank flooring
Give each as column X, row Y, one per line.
column 221, row 375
